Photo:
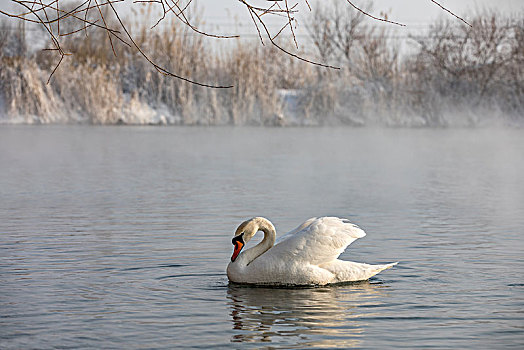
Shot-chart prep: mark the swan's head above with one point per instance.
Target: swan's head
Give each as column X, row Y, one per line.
column 243, row 234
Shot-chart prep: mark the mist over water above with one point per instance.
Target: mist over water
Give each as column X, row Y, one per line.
column 118, row 237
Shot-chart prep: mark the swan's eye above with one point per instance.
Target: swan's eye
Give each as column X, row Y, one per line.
column 239, row 238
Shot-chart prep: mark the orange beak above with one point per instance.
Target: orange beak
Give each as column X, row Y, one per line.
column 238, row 247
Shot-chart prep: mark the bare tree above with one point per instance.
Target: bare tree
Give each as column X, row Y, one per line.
column 466, row 54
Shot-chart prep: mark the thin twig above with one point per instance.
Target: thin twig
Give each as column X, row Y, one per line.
column 290, row 24
column 371, row 16
column 454, row 15
column 105, row 24
column 284, row 50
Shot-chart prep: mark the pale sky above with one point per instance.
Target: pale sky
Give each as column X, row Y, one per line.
column 231, row 17
column 413, row 13
column 408, row 11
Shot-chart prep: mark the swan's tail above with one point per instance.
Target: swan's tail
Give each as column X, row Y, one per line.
column 387, row 266
column 349, row 271
column 379, row 268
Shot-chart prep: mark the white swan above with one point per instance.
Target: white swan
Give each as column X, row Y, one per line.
column 305, row 256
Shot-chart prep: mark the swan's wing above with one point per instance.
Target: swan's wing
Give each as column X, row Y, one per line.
column 298, row 229
column 317, row 241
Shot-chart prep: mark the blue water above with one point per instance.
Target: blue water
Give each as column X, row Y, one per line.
column 118, row 237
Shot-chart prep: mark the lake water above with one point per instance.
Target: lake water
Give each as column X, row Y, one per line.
column 118, row 237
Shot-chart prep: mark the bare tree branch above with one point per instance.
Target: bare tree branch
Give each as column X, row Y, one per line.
column 53, row 17
column 256, row 15
column 451, row 13
column 371, row 16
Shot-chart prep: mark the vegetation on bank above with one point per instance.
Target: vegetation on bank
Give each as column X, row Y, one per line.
column 453, row 75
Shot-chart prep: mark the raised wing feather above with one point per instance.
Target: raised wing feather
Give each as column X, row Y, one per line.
column 317, row 241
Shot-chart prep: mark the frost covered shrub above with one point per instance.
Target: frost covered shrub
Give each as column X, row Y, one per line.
column 89, row 92
column 477, row 68
column 365, row 89
column 25, row 95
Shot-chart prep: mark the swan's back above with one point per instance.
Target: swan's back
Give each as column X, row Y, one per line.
column 317, row 241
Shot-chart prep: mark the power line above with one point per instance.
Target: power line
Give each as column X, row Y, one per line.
column 244, row 34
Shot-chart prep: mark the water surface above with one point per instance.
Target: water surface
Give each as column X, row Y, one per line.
column 118, row 237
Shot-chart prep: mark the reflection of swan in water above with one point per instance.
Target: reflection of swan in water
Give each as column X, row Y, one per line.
column 306, row 317
column 305, row 256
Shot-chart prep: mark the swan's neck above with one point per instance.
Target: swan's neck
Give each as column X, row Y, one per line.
column 262, row 247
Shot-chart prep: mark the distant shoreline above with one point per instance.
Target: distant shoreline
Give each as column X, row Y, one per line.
column 459, row 76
